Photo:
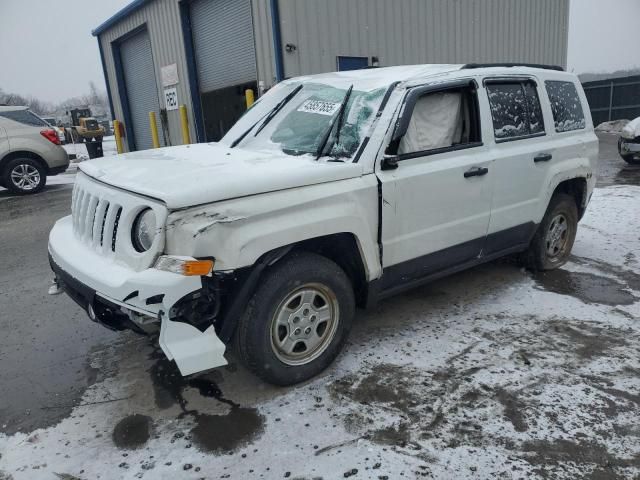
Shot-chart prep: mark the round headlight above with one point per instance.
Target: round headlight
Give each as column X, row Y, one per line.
column 144, row 230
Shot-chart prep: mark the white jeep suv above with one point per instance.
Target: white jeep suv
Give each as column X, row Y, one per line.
column 333, row 191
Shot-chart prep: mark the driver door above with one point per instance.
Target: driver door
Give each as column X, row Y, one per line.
column 436, row 186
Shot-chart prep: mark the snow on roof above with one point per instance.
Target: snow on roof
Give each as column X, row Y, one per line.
column 374, row 78
column 9, row 108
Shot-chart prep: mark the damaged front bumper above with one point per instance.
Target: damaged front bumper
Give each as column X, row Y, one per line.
column 120, row 298
column 629, row 147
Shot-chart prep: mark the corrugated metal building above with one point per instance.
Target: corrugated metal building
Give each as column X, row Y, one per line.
column 158, row 54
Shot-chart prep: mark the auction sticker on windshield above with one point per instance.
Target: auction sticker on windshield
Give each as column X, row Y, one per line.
column 318, row 106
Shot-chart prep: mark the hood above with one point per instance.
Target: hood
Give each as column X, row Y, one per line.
column 631, row 129
column 208, row 172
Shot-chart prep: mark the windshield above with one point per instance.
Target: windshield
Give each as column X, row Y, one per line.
column 309, row 119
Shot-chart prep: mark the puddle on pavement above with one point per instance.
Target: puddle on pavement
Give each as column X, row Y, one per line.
column 548, row 453
column 585, row 286
column 132, row 432
column 629, row 175
column 211, row 433
column 226, row 433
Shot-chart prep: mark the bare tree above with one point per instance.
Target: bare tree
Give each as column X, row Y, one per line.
column 34, row 104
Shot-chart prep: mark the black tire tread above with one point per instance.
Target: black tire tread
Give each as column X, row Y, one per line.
column 288, row 268
column 8, row 184
column 535, row 256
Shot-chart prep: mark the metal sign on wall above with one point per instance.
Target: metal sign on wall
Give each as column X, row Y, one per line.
column 171, row 98
column 169, row 74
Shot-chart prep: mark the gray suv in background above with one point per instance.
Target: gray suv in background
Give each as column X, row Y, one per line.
column 29, row 151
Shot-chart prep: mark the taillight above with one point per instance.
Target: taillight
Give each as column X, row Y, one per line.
column 50, row 135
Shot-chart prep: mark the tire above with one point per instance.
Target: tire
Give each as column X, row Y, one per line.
column 302, row 294
column 630, row 159
column 24, row 176
column 561, row 217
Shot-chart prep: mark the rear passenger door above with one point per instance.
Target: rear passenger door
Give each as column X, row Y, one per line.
column 522, row 156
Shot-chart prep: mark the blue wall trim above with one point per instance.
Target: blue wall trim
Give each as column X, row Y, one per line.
column 106, row 80
column 122, row 86
column 120, row 15
column 277, row 40
column 192, row 71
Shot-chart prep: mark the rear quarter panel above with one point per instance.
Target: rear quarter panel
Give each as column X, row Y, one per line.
column 27, row 138
column 575, row 153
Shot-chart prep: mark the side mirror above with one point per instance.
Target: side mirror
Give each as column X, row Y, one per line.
column 389, row 162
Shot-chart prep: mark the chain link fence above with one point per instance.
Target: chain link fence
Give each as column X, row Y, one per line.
column 614, row 99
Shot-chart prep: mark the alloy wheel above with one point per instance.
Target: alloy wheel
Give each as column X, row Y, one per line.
column 25, row 177
column 304, row 324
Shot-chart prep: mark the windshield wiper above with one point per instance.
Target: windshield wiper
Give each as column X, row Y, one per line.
column 267, row 118
column 277, row 108
column 340, row 119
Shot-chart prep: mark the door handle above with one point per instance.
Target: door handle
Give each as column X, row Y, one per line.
column 476, row 172
column 542, row 157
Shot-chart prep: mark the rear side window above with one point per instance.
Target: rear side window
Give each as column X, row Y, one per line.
column 565, row 105
column 25, row 117
column 515, row 109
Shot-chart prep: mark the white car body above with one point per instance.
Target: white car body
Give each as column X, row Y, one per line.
column 245, row 208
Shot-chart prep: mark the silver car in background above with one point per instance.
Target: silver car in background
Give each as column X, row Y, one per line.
column 29, row 151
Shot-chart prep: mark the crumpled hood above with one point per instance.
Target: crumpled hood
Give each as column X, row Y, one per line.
column 207, row 172
column 632, row 129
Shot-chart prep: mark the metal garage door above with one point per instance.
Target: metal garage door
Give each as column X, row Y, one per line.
column 223, row 43
column 140, row 81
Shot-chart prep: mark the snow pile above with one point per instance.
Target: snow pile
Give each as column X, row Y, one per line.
column 614, row 126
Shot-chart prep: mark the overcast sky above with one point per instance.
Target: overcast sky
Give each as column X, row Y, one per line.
column 604, row 35
column 46, row 47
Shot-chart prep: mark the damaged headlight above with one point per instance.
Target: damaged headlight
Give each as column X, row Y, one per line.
column 144, row 230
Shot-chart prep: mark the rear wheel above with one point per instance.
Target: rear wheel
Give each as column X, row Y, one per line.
column 297, row 321
column 24, row 176
column 630, row 159
column 551, row 245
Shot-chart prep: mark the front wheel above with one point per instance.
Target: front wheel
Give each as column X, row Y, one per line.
column 551, row 245
column 24, row 176
column 297, row 321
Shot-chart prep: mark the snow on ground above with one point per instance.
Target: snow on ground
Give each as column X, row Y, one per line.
column 491, row 373
column 80, row 149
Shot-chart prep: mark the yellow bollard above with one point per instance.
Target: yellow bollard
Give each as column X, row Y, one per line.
column 250, row 98
column 117, row 125
column 186, row 138
column 154, row 130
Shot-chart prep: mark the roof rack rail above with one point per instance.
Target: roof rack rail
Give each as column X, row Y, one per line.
column 530, row 65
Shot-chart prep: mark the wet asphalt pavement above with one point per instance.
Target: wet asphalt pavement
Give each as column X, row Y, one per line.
column 46, row 340
column 49, row 348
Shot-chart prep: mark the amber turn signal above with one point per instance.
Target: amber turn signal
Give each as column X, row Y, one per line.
column 197, row 267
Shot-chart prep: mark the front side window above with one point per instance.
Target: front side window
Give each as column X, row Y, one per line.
column 442, row 120
column 25, row 117
column 565, row 106
column 515, row 109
